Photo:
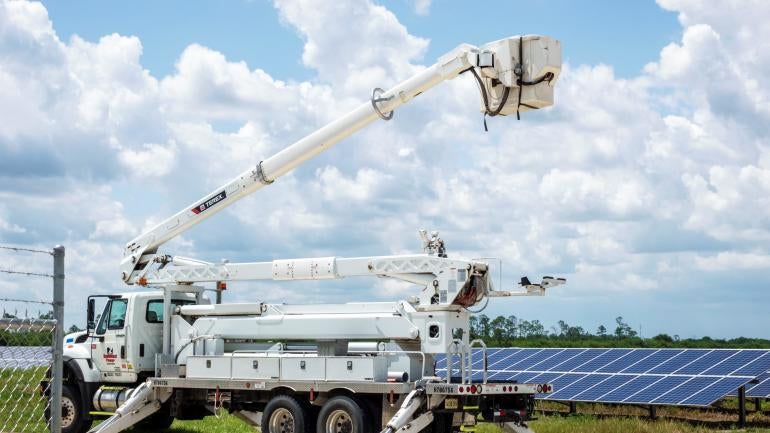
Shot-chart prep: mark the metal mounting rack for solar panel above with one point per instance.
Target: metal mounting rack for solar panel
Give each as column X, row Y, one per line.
column 760, row 389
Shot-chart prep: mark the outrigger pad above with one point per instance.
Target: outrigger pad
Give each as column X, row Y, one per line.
column 512, row 427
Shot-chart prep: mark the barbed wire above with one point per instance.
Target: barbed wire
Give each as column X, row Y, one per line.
column 29, row 250
column 29, row 274
column 25, row 301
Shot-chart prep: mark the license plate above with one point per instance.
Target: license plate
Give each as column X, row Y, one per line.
column 450, row 403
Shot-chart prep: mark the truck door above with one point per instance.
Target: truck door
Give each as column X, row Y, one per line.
column 108, row 345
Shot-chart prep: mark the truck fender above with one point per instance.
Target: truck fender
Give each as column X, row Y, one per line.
column 85, row 377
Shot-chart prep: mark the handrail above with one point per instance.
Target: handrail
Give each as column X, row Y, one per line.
column 484, row 359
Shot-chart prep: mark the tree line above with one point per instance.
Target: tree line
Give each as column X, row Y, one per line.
column 512, row 331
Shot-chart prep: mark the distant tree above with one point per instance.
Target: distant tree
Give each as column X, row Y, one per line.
column 664, row 338
column 525, row 329
column 73, row 328
column 473, row 327
column 511, row 325
column 623, row 330
column 8, row 316
column 601, row 331
column 575, row 332
column 554, row 331
column 538, row 330
column 484, row 326
column 563, row 328
column 497, row 328
column 46, row 316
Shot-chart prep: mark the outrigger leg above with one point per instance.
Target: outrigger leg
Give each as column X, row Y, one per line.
column 145, row 401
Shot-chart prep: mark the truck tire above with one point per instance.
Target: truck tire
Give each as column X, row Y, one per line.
column 342, row 414
column 284, row 414
column 73, row 415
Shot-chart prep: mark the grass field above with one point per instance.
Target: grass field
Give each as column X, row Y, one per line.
column 546, row 424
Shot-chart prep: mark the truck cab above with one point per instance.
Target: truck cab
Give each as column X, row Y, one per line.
column 128, row 334
column 117, row 350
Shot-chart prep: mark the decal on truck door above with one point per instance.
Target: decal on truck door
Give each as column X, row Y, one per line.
column 109, row 356
column 210, row 202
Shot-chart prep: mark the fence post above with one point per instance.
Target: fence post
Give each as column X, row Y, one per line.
column 58, row 338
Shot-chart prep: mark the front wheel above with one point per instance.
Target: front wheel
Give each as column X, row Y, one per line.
column 73, row 419
column 342, row 415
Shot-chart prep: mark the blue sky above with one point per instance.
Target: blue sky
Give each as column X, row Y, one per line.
column 646, row 185
column 593, row 32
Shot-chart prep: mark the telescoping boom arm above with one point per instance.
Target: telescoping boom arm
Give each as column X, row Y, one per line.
column 515, row 74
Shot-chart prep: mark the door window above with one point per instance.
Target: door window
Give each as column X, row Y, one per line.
column 154, row 312
column 117, row 314
column 114, row 316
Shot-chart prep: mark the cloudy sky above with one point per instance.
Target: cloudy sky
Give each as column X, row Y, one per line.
column 647, row 186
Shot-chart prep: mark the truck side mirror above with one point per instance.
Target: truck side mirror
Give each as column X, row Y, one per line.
column 90, row 315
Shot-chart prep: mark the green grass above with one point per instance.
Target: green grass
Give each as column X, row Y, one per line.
column 545, row 424
column 21, row 406
column 593, row 424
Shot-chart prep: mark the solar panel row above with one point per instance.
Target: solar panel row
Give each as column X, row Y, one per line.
column 692, row 377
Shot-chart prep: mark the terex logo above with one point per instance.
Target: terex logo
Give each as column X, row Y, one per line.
column 210, row 202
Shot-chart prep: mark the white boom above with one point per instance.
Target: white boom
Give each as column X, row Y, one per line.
column 514, row 74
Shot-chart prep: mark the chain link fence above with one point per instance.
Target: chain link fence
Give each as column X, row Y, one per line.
column 31, row 339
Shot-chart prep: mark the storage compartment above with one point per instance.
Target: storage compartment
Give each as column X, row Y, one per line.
column 208, row 367
column 356, row 368
column 256, row 367
column 303, row 368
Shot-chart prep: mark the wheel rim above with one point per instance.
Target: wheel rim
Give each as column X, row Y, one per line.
column 339, row 422
column 281, row 421
column 68, row 412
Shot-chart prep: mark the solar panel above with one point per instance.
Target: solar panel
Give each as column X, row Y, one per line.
column 634, row 385
column 715, row 392
column 654, row 361
column 579, row 362
column 679, row 359
column 692, row 377
column 760, row 389
column 625, row 361
column 604, row 357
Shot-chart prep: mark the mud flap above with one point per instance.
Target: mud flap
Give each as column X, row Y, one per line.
column 249, row 417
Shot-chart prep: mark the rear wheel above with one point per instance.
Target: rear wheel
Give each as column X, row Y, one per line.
column 283, row 414
column 342, row 415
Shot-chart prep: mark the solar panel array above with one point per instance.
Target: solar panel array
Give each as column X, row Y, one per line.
column 760, row 389
column 688, row 377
